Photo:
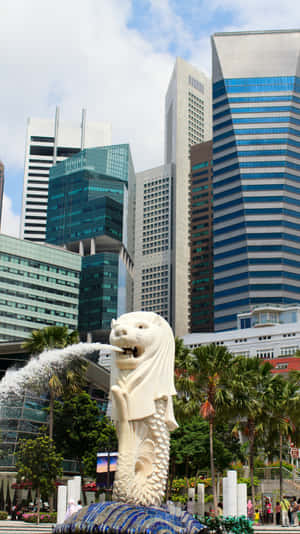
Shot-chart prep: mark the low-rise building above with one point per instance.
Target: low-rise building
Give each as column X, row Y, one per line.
column 275, row 333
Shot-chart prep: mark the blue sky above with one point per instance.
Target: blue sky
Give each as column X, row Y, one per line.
column 115, row 58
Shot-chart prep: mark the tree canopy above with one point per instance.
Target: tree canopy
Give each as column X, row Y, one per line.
column 39, row 462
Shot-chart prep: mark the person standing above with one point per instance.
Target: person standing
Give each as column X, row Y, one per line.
column 294, row 510
column 269, row 511
column 285, row 506
column 250, row 510
column 278, row 512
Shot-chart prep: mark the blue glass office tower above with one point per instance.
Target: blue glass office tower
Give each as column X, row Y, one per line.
column 256, row 157
column 91, row 211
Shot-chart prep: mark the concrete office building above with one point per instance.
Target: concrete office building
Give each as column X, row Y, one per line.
column 201, row 239
column 274, row 332
column 39, row 286
column 256, row 150
column 187, row 122
column 91, row 210
column 152, row 260
column 1, row 190
column 49, row 141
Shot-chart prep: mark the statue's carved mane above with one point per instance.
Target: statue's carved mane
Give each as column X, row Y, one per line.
column 153, row 378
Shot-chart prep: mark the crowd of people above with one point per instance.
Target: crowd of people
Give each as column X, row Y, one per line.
column 286, row 512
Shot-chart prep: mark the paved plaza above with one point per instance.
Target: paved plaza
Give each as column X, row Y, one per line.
column 20, row 527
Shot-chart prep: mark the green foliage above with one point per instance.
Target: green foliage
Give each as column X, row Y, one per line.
column 3, row 515
column 80, row 432
column 220, row 525
column 50, row 337
column 190, row 447
column 38, row 461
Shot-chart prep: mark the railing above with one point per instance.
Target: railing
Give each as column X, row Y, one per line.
column 273, row 473
column 69, row 466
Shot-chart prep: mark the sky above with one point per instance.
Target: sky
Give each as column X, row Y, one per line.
column 112, row 57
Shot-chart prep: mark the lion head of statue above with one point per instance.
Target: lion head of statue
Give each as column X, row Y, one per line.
column 146, row 365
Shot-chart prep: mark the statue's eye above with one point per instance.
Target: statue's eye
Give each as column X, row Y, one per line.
column 142, row 326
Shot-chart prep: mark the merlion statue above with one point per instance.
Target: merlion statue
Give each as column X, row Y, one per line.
column 142, row 385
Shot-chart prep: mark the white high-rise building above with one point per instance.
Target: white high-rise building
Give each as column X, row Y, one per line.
column 187, row 122
column 152, row 260
column 49, row 141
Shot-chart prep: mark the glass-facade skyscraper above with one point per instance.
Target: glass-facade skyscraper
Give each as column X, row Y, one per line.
column 91, row 211
column 256, row 153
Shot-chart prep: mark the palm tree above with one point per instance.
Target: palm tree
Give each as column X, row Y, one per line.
column 184, row 404
column 71, row 378
column 209, row 369
column 68, row 380
column 250, row 386
column 50, row 337
column 285, row 412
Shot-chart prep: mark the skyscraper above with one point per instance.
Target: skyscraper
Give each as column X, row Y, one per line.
column 49, row 141
column 187, row 122
column 1, row 190
column 152, row 259
column 201, row 239
column 256, row 150
column 91, row 211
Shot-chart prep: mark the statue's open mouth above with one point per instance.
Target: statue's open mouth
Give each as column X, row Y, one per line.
column 129, row 357
column 131, row 352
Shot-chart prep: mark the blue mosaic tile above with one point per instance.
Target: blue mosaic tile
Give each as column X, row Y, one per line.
column 120, row 518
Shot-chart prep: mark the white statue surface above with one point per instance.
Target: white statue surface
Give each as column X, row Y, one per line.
column 142, row 386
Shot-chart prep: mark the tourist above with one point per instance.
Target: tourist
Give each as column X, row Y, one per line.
column 71, row 508
column 220, row 509
column 250, row 510
column 269, row 515
column 278, row 512
column 285, row 506
column 256, row 516
column 294, row 510
column 79, row 505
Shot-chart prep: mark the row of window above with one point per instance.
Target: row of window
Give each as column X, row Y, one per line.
column 36, row 276
column 256, row 131
column 154, row 250
column 7, row 326
column 37, row 309
column 39, row 298
column 258, row 153
column 38, row 265
column 154, row 184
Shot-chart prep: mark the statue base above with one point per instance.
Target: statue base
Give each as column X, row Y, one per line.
column 119, row 518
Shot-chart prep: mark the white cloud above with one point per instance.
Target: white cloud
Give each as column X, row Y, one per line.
column 80, row 55
column 10, row 222
column 83, row 54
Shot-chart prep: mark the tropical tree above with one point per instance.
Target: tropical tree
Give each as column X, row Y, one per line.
column 250, row 386
column 81, row 431
column 39, row 462
column 284, row 412
column 69, row 379
column 189, row 444
column 208, row 392
column 183, row 408
column 50, row 337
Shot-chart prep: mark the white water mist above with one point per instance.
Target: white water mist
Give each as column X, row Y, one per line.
column 39, row 369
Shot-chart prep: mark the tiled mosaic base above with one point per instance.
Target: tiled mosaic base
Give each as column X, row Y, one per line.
column 119, row 518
